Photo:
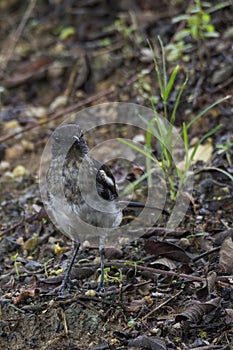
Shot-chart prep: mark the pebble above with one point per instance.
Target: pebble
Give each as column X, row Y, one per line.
column 36, row 112
column 27, row 145
column 12, row 125
column 19, row 171
column 55, row 70
column 4, row 165
column 139, row 138
column 60, row 101
column 14, row 152
column 90, row 293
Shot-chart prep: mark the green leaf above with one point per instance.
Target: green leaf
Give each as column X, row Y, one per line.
column 171, row 82
column 219, row 6
column 212, row 35
column 173, row 116
column 217, row 169
column 138, row 149
column 180, row 18
column 146, row 86
column 129, row 188
column 200, row 115
column 66, row 32
column 157, row 70
column 185, row 137
column 205, row 17
column 182, row 34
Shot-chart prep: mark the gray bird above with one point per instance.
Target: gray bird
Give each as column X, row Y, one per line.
column 80, row 201
column 81, row 193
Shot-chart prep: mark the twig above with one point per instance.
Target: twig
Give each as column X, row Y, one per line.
column 221, row 86
column 205, row 254
column 64, row 322
column 162, row 304
column 197, row 89
column 170, row 273
column 18, row 33
column 7, row 230
column 60, row 113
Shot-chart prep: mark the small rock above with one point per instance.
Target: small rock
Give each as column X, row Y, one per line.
column 4, row 165
column 36, row 112
column 184, row 243
column 8, row 175
column 228, row 33
column 139, row 138
column 27, row 145
column 113, row 253
column 90, row 293
column 222, row 74
column 12, row 125
column 33, row 265
column 19, row 171
column 60, row 101
column 55, row 70
column 15, row 151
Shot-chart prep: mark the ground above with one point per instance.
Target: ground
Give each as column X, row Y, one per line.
column 166, row 289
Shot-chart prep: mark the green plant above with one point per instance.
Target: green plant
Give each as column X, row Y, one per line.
column 128, row 31
column 46, row 267
column 117, row 278
column 16, row 263
column 197, row 25
column 177, row 49
column 122, row 27
column 164, row 133
column 142, row 86
column 227, row 149
column 198, row 22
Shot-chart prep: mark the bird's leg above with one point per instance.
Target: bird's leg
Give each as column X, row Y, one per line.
column 66, row 278
column 102, row 255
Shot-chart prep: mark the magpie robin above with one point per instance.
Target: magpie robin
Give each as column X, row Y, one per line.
column 74, row 203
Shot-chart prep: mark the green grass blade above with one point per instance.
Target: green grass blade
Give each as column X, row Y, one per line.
column 173, row 116
column 163, row 65
column 157, row 70
column 194, row 120
column 217, row 169
column 171, row 82
column 138, row 149
column 129, row 188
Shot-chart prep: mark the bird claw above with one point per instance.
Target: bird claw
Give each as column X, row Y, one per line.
column 65, row 287
column 100, row 289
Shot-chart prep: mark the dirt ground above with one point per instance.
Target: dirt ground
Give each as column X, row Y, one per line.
column 167, row 289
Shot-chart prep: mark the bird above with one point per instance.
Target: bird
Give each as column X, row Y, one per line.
column 81, row 193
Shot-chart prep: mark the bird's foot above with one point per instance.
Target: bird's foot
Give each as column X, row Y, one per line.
column 65, row 287
column 100, row 289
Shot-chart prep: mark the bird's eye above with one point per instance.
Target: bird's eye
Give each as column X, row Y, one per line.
column 82, row 134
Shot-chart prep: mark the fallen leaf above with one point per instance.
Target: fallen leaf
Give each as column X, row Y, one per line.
column 151, row 343
column 225, row 255
column 196, row 311
column 203, row 153
column 166, row 249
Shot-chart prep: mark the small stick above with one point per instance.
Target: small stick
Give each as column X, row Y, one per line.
column 18, row 33
column 162, row 304
column 60, row 113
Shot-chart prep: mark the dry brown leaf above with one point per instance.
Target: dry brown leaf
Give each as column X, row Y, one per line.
column 225, row 255
column 196, row 311
column 203, row 153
